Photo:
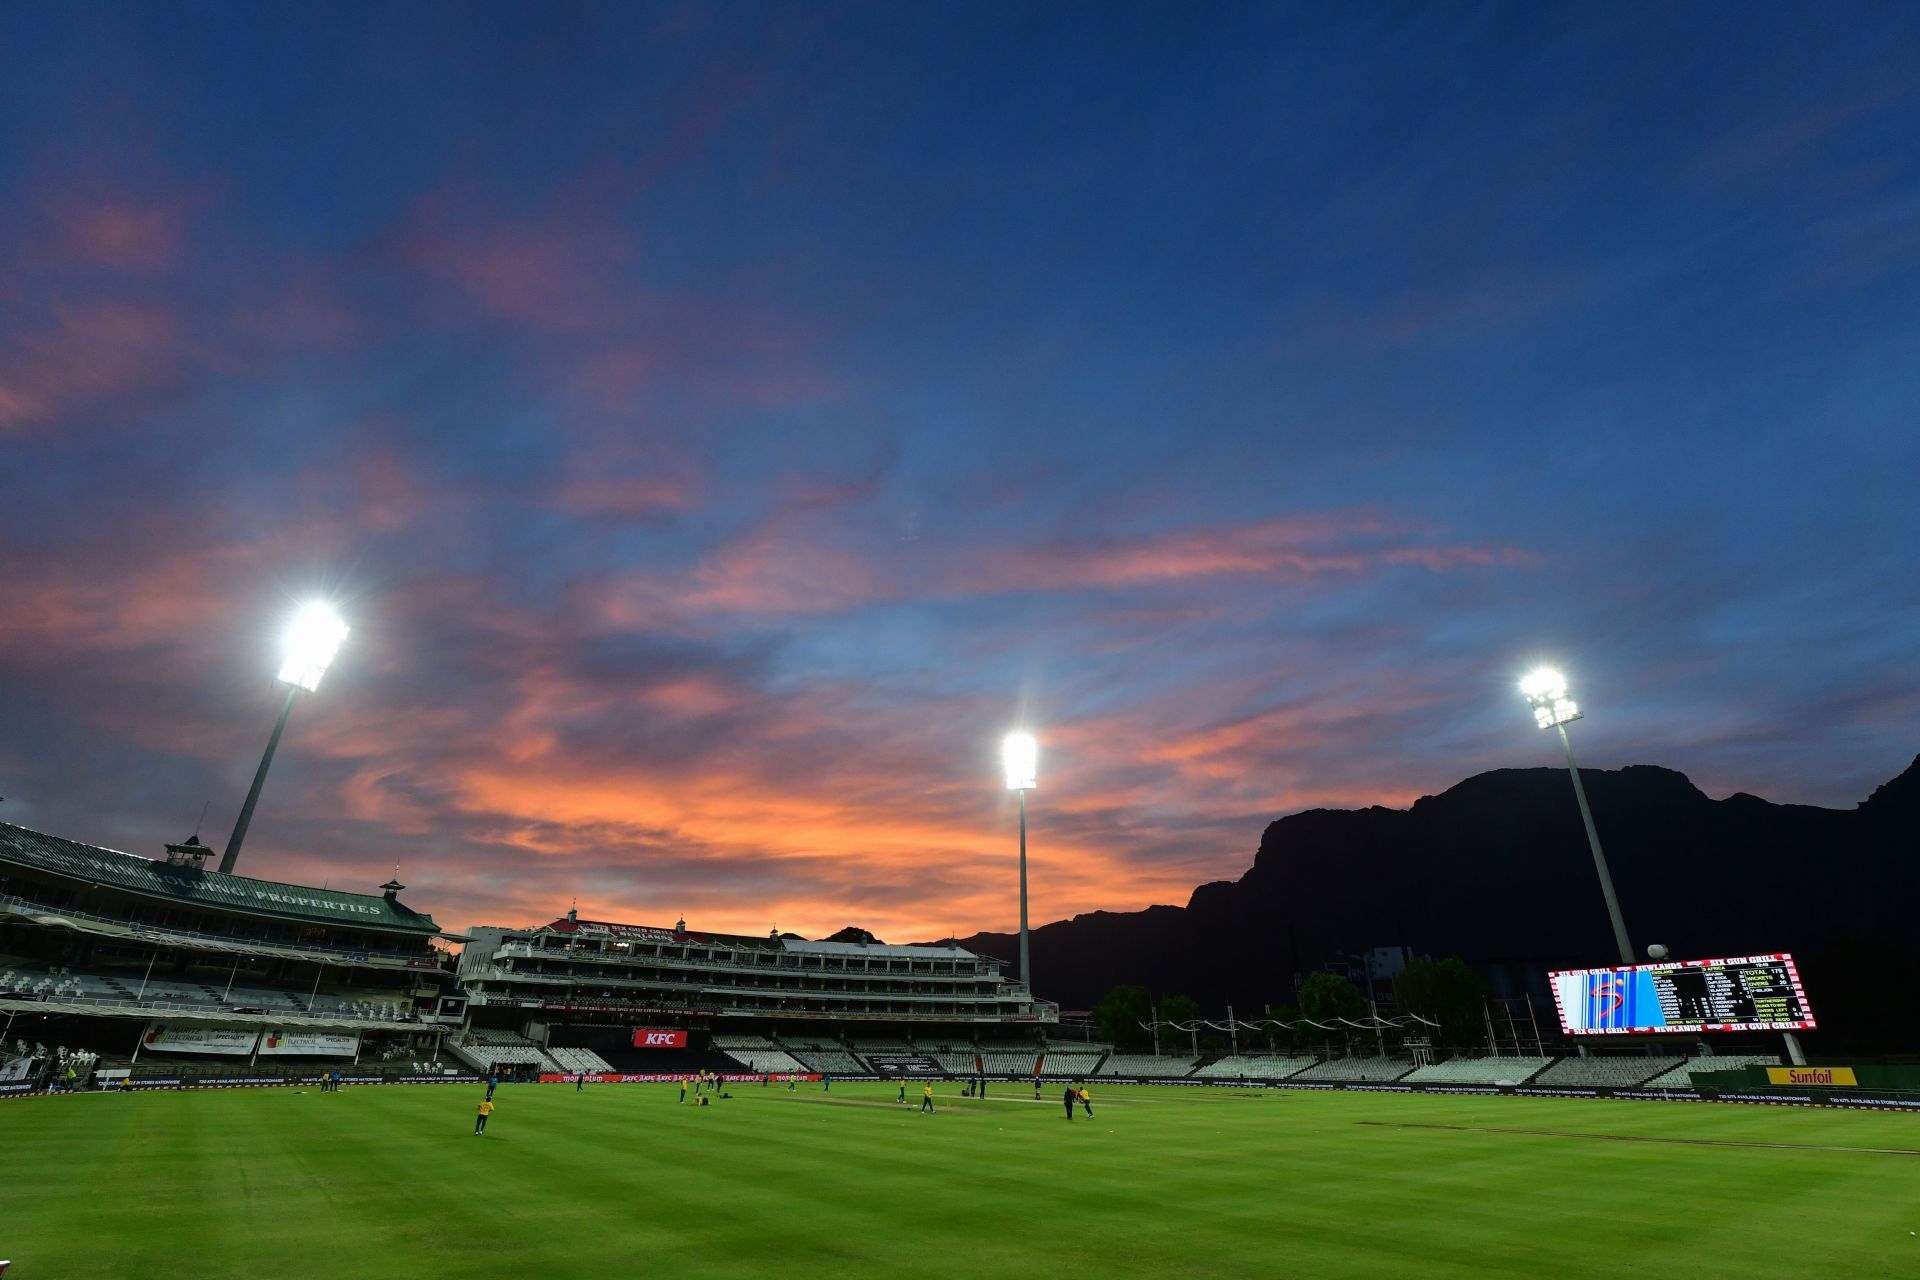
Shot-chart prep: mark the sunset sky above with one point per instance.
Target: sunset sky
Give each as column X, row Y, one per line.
column 720, row 424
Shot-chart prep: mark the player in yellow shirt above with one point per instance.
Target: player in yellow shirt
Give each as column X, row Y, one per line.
column 1086, row 1101
column 926, row 1098
column 480, row 1121
column 683, row 1088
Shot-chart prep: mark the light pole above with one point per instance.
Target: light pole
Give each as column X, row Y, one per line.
column 312, row 640
column 1020, row 754
column 1546, row 693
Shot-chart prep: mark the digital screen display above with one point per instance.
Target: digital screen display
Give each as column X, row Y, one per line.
column 1746, row 993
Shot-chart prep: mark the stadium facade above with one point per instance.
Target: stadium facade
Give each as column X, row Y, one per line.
column 109, row 955
column 782, row 1000
column 168, row 972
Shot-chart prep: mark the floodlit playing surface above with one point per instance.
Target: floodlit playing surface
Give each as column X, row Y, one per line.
column 621, row 1180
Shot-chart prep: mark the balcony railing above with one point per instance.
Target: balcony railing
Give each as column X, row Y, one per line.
column 164, row 935
column 114, row 1006
column 744, row 961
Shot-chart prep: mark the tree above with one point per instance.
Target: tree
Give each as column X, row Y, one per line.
column 1119, row 1016
column 1326, row 998
column 1279, row 1038
column 1449, row 993
column 1179, row 1009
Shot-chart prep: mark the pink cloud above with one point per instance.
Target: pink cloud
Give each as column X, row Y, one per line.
column 796, row 563
column 98, row 224
column 559, row 273
column 100, row 357
column 628, row 477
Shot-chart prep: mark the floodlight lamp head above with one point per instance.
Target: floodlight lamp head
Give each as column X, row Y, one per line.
column 1020, row 754
column 1546, row 692
column 312, row 639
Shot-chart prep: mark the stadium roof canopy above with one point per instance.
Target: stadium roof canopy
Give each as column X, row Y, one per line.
column 213, row 890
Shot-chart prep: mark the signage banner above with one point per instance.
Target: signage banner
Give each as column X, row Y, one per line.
column 1801, row 1077
column 15, row 1068
column 658, row 1038
column 161, row 1038
column 318, row 1044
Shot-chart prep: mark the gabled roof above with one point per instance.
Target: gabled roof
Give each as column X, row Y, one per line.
column 212, row 890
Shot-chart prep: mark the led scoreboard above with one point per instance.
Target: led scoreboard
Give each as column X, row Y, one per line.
column 1748, row 993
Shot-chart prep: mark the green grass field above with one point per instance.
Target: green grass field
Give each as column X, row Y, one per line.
column 618, row 1180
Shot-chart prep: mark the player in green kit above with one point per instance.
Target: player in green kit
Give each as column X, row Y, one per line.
column 903, row 1088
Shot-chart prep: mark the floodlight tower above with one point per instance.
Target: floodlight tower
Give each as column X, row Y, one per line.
column 1546, row 692
column 1020, row 754
column 312, row 640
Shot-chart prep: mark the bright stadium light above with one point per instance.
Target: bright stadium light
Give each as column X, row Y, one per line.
column 1546, row 692
column 1020, row 755
column 312, row 641
column 313, row 638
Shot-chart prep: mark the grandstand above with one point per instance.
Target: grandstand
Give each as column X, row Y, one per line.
column 1371, row 1069
column 1492, row 1070
column 489, row 1050
column 825, row 1059
column 758, row 1054
column 575, row 1061
column 1612, row 1072
column 124, row 956
column 955, row 1057
column 774, row 1004
column 1681, row 1076
column 1254, row 1067
column 868, row 1044
column 1009, row 1059
column 1073, row 1059
column 1144, row 1064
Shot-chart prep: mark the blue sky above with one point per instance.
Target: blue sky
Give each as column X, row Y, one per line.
column 721, row 422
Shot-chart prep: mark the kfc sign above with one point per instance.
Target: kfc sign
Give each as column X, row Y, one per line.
column 644, row 1038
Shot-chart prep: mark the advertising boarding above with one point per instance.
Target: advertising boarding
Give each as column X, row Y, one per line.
column 160, row 1038
column 312, row 1044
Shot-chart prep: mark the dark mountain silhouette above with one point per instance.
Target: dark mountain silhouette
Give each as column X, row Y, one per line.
column 1496, row 869
column 852, row 933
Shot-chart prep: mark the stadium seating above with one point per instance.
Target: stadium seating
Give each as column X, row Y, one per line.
column 1376, row 1070
column 1681, row 1077
column 574, row 1061
column 827, row 1059
column 1009, row 1059
column 1073, row 1059
column 882, row 1045
column 1144, row 1064
column 956, row 1057
column 1479, row 1071
column 1615, row 1072
column 505, row 1048
column 186, row 994
column 759, row 1054
column 1254, row 1067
